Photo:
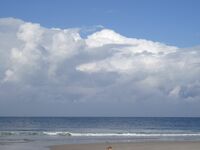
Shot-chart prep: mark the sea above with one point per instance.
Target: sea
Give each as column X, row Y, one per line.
column 38, row 133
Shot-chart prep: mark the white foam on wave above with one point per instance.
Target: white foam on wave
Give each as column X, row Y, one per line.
column 133, row 134
column 120, row 134
column 64, row 133
column 57, row 133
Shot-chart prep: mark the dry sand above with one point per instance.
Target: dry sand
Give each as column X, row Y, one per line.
column 132, row 146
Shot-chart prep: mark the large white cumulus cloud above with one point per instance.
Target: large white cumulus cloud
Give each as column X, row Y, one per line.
column 59, row 64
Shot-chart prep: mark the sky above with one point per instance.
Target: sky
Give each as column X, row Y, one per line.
column 100, row 58
column 174, row 22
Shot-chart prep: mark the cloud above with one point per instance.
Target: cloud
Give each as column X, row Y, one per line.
column 127, row 52
column 54, row 65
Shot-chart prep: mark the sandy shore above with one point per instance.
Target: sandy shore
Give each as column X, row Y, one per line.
column 132, row 146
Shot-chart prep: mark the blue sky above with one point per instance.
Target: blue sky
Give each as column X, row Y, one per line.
column 174, row 22
column 79, row 57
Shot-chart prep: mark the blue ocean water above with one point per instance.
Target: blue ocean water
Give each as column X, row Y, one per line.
column 44, row 131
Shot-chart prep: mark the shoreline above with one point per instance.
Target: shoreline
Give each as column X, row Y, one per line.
column 149, row 145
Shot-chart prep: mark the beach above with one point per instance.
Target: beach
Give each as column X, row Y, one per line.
column 156, row 145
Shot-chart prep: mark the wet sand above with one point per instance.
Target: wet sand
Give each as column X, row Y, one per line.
column 186, row 145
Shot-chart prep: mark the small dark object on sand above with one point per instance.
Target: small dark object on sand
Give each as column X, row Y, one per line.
column 109, row 148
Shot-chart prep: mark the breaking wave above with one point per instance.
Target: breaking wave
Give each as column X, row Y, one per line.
column 64, row 133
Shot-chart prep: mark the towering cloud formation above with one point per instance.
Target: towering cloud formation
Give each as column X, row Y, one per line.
column 41, row 64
